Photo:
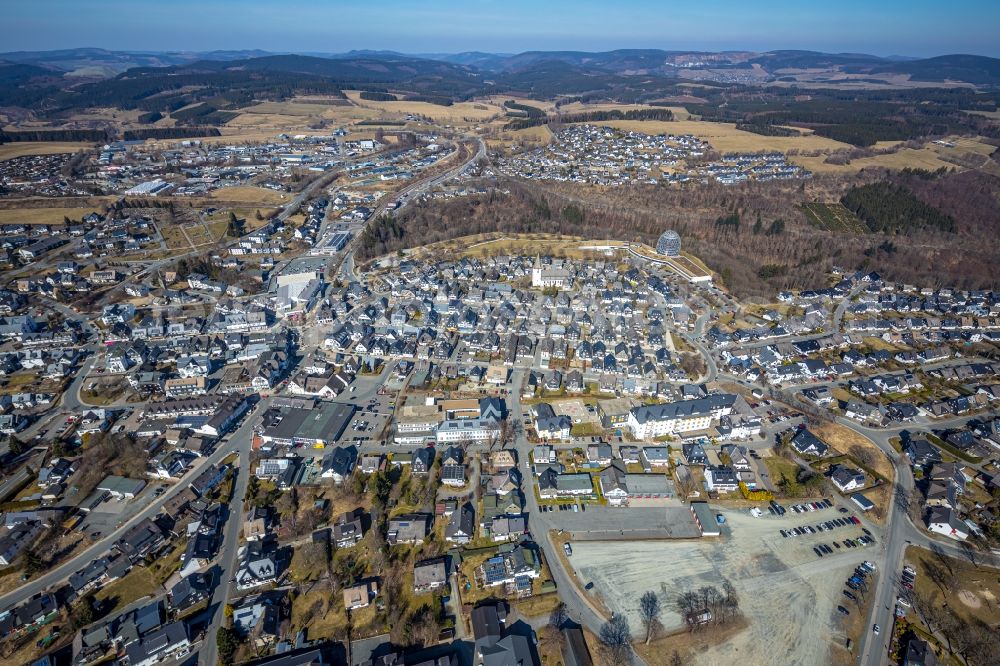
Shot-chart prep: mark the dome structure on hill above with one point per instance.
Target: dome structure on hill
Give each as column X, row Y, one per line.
column 669, row 244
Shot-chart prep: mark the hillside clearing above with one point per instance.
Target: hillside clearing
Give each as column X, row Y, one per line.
column 834, row 217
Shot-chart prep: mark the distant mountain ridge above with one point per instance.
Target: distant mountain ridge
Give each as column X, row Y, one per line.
column 974, row 69
column 70, row 78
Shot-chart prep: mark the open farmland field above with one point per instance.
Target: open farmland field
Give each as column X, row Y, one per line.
column 20, row 149
column 581, row 107
column 914, row 158
column 834, row 217
column 289, row 108
column 462, row 111
column 41, row 215
column 498, row 100
column 540, row 134
column 995, row 115
column 680, row 113
column 251, row 195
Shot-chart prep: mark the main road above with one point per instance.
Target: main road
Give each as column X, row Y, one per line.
column 60, row 573
column 227, row 558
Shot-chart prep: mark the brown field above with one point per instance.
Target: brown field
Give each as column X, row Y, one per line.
column 41, row 215
column 250, row 194
column 687, row 644
column 580, row 107
column 923, row 158
column 498, row 100
column 531, row 135
column 971, row 592
column 843, row 438
column 484, row 245
column 680, row 113
column 288, row 108
column 540, row 134
column 462, row 111
column 20, row 149
column 995, row 115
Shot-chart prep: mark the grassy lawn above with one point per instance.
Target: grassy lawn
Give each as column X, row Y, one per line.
column 540, row 604
column 164, row 567
column 309, row 562
column 969, row 591
column 136, row 584
column 319, row 610
column 586, row 429
column 780, row 468
column 843, row 438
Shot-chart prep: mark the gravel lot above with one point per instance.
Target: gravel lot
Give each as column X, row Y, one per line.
column 788, row 594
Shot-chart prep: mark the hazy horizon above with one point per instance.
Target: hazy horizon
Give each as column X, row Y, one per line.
column 429, row 54
column 889, row 28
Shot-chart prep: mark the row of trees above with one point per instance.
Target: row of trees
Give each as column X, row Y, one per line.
column 616, row 636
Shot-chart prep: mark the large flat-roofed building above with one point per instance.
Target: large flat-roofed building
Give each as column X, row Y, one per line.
column 676, row 417
column 318, row 425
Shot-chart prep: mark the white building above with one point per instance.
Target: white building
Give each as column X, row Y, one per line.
column 651, row 421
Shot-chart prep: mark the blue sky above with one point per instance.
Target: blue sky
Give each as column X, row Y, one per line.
column 882, row 27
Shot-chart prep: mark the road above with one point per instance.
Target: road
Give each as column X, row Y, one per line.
column 900, row 533
column 346, row 270
column 580, row 608
column 227, row 558
column 97, row 549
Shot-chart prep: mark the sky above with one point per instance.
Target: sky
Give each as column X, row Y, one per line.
column 880, row 27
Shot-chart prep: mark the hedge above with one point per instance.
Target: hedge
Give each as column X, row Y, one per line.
column 755, row 495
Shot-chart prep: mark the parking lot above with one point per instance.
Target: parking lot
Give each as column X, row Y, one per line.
column 369, row 420
column 788, row 593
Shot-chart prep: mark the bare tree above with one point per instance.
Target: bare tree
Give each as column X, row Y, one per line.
column 938, row 575
column 616, row 641
column 558, row 616
column 650, row 609
column 862, row 455
column 731, row 602
column 941, row 557
column 686, row 603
